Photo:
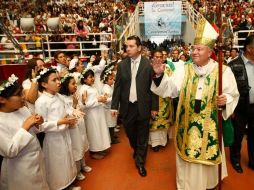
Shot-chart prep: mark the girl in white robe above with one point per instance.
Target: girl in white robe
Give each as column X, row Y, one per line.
column 97, row 130
column 60, row 165
column 97, row 67
column 76, row 70
column 78, row 133
column 30, row 87
column 107, row 78
column 23, row 161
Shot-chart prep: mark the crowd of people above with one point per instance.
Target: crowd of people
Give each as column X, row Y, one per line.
column 81, row 20
column 94, row 13
column 87, row 18
column 58, row 97
column 236, row 15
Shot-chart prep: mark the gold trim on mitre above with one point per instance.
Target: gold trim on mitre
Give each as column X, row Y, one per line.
column 205, row 34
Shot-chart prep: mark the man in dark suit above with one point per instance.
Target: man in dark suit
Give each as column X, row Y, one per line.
column 243, row 69
column 132, row 92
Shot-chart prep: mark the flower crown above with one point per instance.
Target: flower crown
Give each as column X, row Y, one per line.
column 106, row 72
column 45, row 71
column 87, row 69
column 70, row 75
column 11, row 80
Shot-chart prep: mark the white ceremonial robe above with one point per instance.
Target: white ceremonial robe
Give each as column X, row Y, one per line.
column 60, row 165
column 158, row 137
column 191, row 175
column 179, row 64
column 97, row 130
column 111, row 121
column 77, row 133
column 23, row 164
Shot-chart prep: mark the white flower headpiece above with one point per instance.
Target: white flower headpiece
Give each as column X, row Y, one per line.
column 11, row 80
column 107, row 72
column 44, row 71
column 67, row 76
column 87, row 69
column 73, row 63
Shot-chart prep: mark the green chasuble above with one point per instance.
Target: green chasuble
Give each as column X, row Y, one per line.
column 171, row 65
column 165, row 116
column 196, row 137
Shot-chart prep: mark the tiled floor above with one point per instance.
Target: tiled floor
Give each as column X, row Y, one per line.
column 117, row 171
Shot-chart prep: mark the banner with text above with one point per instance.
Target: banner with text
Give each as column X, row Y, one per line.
column 163, row 18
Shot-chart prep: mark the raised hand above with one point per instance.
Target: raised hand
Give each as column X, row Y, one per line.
column 158, row 66
column 34, row 72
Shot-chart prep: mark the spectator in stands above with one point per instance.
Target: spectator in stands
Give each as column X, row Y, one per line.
column 37, row 39
column 8, row 46
column 94, row 39
column 104, row 37
column 249, row 24
column 62, row 22
column 69, row 14
column 70, row 42
column 81, row 32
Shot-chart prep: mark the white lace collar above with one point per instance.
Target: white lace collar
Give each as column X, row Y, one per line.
column 203, row 71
